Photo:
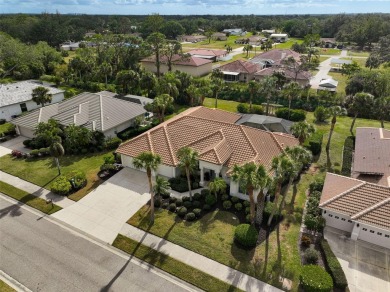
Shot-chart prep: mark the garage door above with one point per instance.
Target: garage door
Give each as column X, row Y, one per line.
column 23, row 131
column 374, row 236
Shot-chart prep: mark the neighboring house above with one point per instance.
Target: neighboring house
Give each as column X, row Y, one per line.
column 219, row 36
column 357, row 207
column 371, row 160
column 96, row 111
column 214, row 134
column 328, row 85
column 89, row 34
column 234, row 31
column 328, row 42
column 189, row 64
column 191, row 38
column 266, row 123
column 70, row 46
column 16, row 98
column 213, row 55
column 268, row 31
column 275, row 57
column 302, row 78
column 279, row 37
column 239, row 71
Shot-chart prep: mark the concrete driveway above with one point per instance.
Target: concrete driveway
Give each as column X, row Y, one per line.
column 103, row 212
column 13, row 144
column 365, row 265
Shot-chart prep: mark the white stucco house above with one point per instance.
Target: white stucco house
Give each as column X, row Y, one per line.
column 16, row 98
column 216, row 136
column 100, row 111
column 279, row 37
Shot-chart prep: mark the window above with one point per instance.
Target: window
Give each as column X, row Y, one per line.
column 330, row 215
column 364, row 229
column 23, row 107
column 337, row 217
column 386, row 235
column 379, row 233
column 372, row 231
column 342, row 219
column 349, row 221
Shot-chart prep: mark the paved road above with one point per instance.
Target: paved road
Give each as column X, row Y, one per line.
column 46, row 257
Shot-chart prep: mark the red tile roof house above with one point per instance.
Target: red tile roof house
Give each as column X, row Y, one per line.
column 302, row 78
column 213, row 55
column 239, row 71
column 220, row 142
column 275, row 57
column 361, row 207
column 189, row 64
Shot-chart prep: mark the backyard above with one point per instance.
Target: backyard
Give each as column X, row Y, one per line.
column 221, row 45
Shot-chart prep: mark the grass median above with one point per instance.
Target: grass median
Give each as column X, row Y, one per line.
column 28, row 199
column 172, row 266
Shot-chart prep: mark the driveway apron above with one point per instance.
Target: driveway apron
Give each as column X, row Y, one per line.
column 103, row 212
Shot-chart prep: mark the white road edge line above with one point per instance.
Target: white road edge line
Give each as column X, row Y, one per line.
column 13, row 283
column 134, row 260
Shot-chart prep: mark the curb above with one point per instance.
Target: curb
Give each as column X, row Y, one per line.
column 12, row 282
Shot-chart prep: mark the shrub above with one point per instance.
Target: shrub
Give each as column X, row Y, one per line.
column 316, row 195
column 296, row 115
column 190, row 216
column 225, row 197
column 243, row 108
column 210, row 199
column 227, row 205
column 185, row 198
column 321, row 114
column 305, row 241
column 166, row 195
column 182, row 211
column 269, row 206
column 187, row 204
column 179, row 202
column 246, row 204
column 109, row 167
column 315, row 279
column 333, row 266
column 197, row 212
column 195, row 185
column 34, row 153
column 77, row 178
column 172, row 200
column 157, row 203
column 112, row 143
column 246, row 235
column 311, row 256
column 16, row 153
column 44, row 151
column 196, row 204
column 178, row 184
column 197, row 196
column 172, row 207
column 165, row 205
column 204, row 192
column 257, row 109
column 238, row 206
column 206, row 207
column 247, row 210
column 235, row 199
column 316, row 185
column 61, row 186
column 27, row 143
column 248, row 218
column 314, row 143
column 349, row 146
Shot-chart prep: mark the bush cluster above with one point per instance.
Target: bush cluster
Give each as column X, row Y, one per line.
column 295, row 115
column 61, row 186
column 112, row 143
column 244, row 109
column 349, row 146
column 227, row 205
column 246, row 235
column 311, row 256
column 77, row 178
column 180, row 184
column 333, row 266
column 315, row 279
column 210, row 200
column 305, row 241
column 314, row 143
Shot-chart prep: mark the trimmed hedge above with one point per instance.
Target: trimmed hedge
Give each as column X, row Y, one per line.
column 349, row 146
column 314, row 143
column 246, row 235
column 190, row 216
column 227, row 205
column 210, row 200
column 311, row 256
column 296, row 115
column 333, row 266
column 182, row 212
column 315, row 279
column 112, row 143
column 61, row 186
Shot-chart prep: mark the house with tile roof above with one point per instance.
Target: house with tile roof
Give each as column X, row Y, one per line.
column 360, row 208
column 219, row 36
column 275, row 57
column 192, row 65
column 16, row 98
column 302, row 77
column 239, row 70
column 100, row 111
column 213, row 55
column 216, row 136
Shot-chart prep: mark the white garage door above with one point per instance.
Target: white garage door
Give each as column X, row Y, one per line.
column 374, row 236
column 165, row 170
column 23, row 131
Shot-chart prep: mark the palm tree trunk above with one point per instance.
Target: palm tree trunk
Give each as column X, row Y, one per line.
column 260, row 207
column 267, row 108
column 151, row 197
column 252, row 207
column 382, row 123
column 289, row 107
column 277, row 194
column 106, row 80
column 330, row 134
column 58, row 165
column 250, row 102
column 353, row 124
column 189, row 182
column 295, row 191
column 216, row 100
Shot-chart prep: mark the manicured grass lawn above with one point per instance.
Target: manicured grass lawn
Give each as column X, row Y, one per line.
column 5, row 128
column 220, row 45
column 42, row 171
column 227, row 105
column 329, row 51
column 358, row 53
column 288, row 44
column 28, row 199
column 172, row 266
column 360, row 61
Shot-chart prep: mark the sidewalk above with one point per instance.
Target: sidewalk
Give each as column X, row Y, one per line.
column 35, row 190
column 202, row 263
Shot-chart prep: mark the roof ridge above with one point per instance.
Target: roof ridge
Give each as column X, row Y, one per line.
column 217, row 145
column 342, row 194
column 101, row 112
column 169, row 143
column 276, row 140
column 206, row 137
column 369, row 209
column 249, row 140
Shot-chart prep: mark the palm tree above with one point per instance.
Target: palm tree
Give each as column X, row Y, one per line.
column 264, row 182
column 247, row 49
column 217, row 87
column 253, row 88
column 160, row 103
column 251, row 177
column 291, row 89
column 162, row 186
column 169, row 84
column 268, row 88
column 382, row 109
column 359, row 103
column 57, row 150
column 148, row 82
column 335, row 111
column 41, row 95
column 105, row 70
column 157, row 42
column 283, row 168
column 188, row 160
column 217, row 185
column 150, row 162
column 302, row 131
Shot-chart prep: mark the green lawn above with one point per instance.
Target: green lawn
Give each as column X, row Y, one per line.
column 288, row 44
column 28, row 199
column 42, row 171
column 172, row 266
column 5, row 288
column 237, row 57
column 5, row 128
column 221, row 45
column 329, row 51
column 226, row 105
column 360, row 61
column 342, row 79
column 358, row 53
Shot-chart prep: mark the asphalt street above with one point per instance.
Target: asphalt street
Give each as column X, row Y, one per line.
column 46, row 257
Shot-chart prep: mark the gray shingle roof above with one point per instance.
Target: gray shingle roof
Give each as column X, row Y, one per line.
column 84, row 109
column 17, row 92
column 266, row 123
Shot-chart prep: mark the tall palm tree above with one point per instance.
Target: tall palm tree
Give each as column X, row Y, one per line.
column 249, row 176
column 283, row 168
column 162, row 186
column 302, row 131
column 148, row 82
column 359, row 103
column 217, row 87
column 57, row 150
column 161, row 103
column 217, row 185
column 41, row 95
column 268, row 88
column 157, row 42
column 335, row 111
column 150, row 162
column 188, row 160
column 247, row 49
column 264, row 182
column 253, row 88
column 105, row 70
column 169, row 84
column 292, row 90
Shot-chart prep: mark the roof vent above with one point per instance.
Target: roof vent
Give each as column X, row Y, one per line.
column 364, row 157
